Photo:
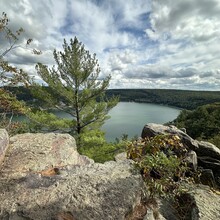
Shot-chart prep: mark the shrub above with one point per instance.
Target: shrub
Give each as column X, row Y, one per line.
column 93, row 144
column 161, row 160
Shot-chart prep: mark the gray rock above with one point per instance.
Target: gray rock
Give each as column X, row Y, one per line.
column 209, row 158
column 4, row 144
column 191, row 159
column 81, row 189
column 151, row 130
column 204, row 204
column 209, row 163
column 207, row 178
column 37, row 152
column 121, row 156
column 208, row 149
column 166, row 210
column 149, row 215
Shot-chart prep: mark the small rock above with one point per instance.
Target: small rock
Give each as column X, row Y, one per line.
column 4, row 144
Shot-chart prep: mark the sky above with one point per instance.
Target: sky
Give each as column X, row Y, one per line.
column 162, row 44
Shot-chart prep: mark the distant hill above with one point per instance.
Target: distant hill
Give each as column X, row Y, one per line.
column 179, row 98
column 184, row 99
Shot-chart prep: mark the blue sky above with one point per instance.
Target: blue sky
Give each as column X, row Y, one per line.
column 142, row 44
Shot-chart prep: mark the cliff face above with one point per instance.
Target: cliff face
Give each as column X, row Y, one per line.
column 44, row 177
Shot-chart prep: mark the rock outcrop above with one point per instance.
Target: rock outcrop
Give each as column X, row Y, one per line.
column 207, row 154
column 151, row 130
column 43, row 177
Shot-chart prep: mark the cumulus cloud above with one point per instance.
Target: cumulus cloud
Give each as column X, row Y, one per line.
column 149, row 44
column 188, row 34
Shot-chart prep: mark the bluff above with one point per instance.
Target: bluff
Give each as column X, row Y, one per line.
column 42, row 177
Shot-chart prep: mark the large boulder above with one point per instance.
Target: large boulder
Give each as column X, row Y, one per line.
column 201, row 203
column 4, row 144
column 207, row 154
column 152, row 129
column 206, row 148
column 209, row 158
column 31, row 187
column 37, row 152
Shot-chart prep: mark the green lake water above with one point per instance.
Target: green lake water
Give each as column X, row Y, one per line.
column 130, row 117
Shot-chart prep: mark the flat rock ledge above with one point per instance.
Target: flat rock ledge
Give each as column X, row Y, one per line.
column 43, row 177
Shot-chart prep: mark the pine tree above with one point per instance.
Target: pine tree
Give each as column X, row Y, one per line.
column 74, row 87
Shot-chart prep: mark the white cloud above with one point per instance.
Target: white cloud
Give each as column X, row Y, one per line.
column 177, row 46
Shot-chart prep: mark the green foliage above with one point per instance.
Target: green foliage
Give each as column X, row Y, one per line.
column 94, row 145
column 74, row 87
column 10, row 106
column 10, row 75
column 184, row 99
column 161, row 162
column 42, row 120
column 201, row 123
column 11, row 38
column 215, row 140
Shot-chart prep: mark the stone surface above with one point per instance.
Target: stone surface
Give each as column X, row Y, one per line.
column 205, row 203
column 121, row 156
column 4, row 144
column 209, row 163
column 209, row 158
column 44, row 178
column 37, row 152
column 208, row 149
column 152, row 129
column 78, row 189
column 191, row 159
column 207, row 178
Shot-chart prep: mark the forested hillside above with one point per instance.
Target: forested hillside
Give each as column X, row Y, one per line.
column 201, row 123
column 178, row 98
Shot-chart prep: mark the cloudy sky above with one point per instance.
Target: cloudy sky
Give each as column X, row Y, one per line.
column 141, row 43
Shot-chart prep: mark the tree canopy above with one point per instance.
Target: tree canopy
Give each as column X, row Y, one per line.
column 74, row 86
column 202, row 123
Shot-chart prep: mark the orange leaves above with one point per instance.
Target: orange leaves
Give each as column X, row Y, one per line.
column 50, row 172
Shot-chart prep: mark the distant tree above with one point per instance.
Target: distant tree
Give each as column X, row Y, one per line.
column 74, row 87
column 201, row 123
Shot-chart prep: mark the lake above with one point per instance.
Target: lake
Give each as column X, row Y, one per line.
column 130, row 117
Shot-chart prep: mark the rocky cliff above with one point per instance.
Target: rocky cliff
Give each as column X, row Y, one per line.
column 44, row 177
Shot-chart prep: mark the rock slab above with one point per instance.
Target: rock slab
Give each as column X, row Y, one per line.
column 79, row 190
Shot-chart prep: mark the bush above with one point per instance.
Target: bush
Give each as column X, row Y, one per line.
column 161, row 160
column 93, row 144
column 215, row 140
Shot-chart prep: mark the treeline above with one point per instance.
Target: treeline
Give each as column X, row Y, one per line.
column 202, row 123
column 184, row 99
